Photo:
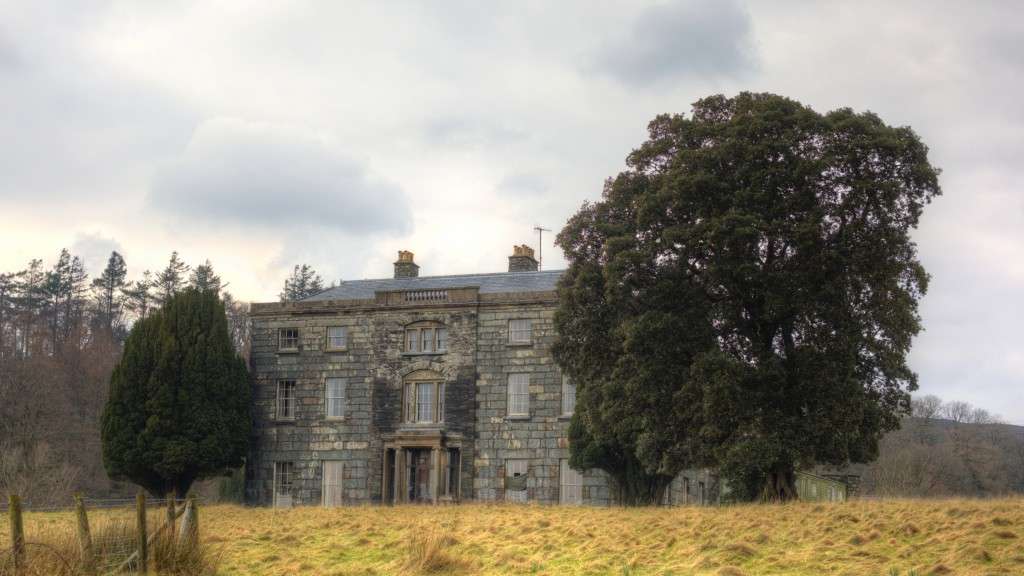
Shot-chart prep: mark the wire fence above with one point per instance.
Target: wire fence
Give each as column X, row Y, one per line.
column 93, row 504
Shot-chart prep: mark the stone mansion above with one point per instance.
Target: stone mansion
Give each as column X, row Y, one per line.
column 420, row 389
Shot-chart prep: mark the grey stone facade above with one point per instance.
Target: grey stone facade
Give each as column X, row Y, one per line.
column 466, row 451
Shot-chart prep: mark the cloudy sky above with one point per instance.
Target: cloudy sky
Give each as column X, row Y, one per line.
column 336, row 133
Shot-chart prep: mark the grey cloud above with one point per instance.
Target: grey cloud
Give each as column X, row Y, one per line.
column 94, row 249
column 464, row 131
column 703, row 38
column 523, row 183
column 245, row 173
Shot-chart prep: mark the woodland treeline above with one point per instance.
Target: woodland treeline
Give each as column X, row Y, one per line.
column 947, row 449
column 61, row 333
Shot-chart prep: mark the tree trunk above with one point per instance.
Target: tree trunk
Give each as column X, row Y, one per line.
column 780, row 485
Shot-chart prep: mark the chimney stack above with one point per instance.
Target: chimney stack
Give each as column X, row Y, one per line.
column 522, row 259
column 405, row 267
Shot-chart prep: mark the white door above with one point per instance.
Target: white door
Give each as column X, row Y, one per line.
column 333, row 483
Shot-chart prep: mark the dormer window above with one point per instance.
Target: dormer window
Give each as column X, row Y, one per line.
column 426, row 338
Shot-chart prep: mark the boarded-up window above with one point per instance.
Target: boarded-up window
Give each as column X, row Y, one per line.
column 516, row 473
column 568, row 396
column 335, row 397
column 333, row 483
column 518, row 394
column 520, row 331
column 570, row 489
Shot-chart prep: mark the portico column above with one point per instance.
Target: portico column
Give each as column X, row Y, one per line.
column 434, row 472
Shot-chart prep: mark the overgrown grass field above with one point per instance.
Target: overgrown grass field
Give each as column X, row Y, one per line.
column 855, row 538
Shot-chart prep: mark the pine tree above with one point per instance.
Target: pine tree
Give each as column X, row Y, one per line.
column 109, row 293
column 179, row 398
column 203, row 278
column 171, row 279
column 138, row 295
column 303, row 282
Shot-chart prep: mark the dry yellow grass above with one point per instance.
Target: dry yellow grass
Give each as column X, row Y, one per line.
column 963, row 537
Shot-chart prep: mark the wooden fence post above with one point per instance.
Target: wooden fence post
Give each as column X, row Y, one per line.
column 188, row 534
column 17, row 531
column 170, row 513
column 84, row 537
column 140, row 527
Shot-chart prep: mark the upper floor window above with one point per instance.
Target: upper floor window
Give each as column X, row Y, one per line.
column 426, row 338
column 424, row 399
column 568, row 396
column 288, row 339
column 520, row 331
column 337, row 338
column 286, row 400
column 335, row 391
column 518, row 394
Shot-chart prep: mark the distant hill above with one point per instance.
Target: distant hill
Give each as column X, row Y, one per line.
column 940, row 457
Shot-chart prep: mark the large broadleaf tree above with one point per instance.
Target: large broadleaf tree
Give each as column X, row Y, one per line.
column 744, row 296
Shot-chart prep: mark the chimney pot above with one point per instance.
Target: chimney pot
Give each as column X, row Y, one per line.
column 405, row 267
column 522, row 259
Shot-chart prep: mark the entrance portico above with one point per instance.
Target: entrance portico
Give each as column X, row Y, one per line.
column 422, row 466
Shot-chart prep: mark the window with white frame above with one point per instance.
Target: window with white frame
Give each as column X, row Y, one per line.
column 335, row 397
column 700, row 493
column 568, row 396
column 423, row 401
column 337, row 337
column 288, row 339
column 426, row 338
column 520, row 331
column 286, row 400
column 284, row 478
column 518, row 394
column 334, row 483
column 570, row 488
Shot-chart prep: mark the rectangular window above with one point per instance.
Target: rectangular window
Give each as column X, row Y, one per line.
column 518, row 394
column 412, row 341
column 288, row 339
column 451, row 476
column 425, row 402
column 410, row 402
column 568, row 396
column 442, row 339
column 427, row 338
column 520, row 331
column 284, row 477
column 440, row 401
column 335, row 397
column 686, row 490
column 516, row 474
column 334, row 483
column 700, row 493
column 286, row 400
column 570, row 484
column 337, row 338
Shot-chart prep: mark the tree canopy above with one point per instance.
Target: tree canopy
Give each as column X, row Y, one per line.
column 303, row 282
column 179, row 398
column 744, row 296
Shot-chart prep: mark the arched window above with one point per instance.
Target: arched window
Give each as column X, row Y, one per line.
column 423, row 398
column 426, row 338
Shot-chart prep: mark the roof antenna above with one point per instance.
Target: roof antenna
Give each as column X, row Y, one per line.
column 540, row 246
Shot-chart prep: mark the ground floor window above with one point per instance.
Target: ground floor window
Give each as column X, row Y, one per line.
column 450, row 485
column 516, row 473
column 284, row 478
column 686, row 490
column 700, row 493
column 333, row 479
column 570, row 489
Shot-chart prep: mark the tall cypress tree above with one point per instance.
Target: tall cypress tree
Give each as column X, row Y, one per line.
column 179, row 399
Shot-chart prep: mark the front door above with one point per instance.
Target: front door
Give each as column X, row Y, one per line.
column 418, row 466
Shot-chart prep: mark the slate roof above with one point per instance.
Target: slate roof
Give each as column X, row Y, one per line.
column 499, row 282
